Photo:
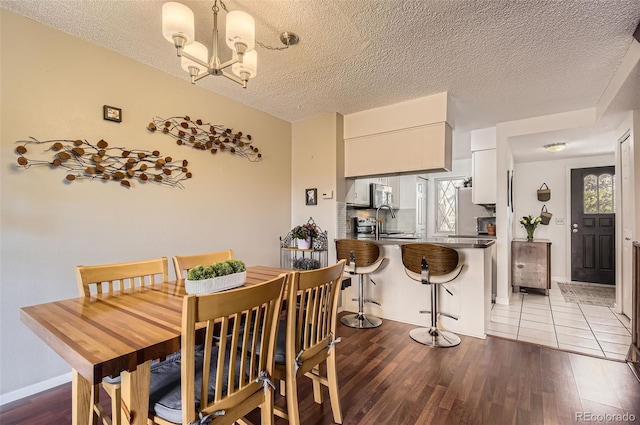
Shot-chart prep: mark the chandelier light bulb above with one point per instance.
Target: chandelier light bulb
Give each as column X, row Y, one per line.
column 198, row 50
column 249, row 65
column 177, row 20
column 241, row 29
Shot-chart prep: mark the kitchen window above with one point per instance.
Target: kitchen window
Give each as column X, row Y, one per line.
column 446, row 204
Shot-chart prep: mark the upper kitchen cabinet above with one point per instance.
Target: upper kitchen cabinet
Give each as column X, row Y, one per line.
column 358, row 192
column 483, row 164
column 484, row 176
column 408, row 137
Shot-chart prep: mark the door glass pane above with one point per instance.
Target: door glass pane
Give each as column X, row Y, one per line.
column 590, row 185
column 605, row 194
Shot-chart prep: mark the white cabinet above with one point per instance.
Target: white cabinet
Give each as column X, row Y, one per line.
column 484, row 176
column 407, row 198
column 358, row 192
column 394, row 182
column 421, row 207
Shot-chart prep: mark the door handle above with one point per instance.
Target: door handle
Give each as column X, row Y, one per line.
column 627, row 239
column 575, row 226
column 575, row 230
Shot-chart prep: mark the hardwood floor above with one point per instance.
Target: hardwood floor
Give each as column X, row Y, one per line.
column 386, row 378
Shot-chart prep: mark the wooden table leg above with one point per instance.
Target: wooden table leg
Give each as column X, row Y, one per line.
column 135, row 395
column 81, row 394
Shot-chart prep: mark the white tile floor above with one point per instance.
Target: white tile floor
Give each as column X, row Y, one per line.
column 549, row 320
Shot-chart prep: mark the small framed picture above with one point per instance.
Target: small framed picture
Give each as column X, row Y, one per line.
column 112, row 114
column 311, row 196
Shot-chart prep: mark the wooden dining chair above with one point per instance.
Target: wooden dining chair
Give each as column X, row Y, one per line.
column 310, row 336
column 221, row 382
column 183, row 263
column 118, row 278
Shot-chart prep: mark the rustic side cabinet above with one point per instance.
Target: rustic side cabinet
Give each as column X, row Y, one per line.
column 531, row 264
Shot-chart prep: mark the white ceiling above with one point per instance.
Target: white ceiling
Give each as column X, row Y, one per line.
column 500, row 60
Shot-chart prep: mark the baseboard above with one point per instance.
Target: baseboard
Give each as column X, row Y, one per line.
column 34, row 389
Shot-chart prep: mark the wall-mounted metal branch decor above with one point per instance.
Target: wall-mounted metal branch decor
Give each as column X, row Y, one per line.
column 206, row 136
column 83, row 160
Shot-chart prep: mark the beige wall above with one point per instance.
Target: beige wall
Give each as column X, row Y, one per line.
column 54, row 86
column 317, row 147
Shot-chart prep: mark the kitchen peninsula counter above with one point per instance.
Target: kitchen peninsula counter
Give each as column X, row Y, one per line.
column 402, row 298
column 450, row 242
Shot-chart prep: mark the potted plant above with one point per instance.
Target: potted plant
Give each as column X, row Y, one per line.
column 530, row 223
column 216, row 277
column 304, row 234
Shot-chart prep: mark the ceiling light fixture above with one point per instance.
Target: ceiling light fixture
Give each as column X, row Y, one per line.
column 178, row 28
column 555, row 147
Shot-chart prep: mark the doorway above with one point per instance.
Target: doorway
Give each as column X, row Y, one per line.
column 593, row 225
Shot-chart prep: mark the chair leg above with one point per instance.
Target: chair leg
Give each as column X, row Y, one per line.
column 292, row 401
column 266, row 410
column 432, row 336
column 115, row 393
column 332, row 383
column 317, row 386
column 360, row 320
column 116, row 410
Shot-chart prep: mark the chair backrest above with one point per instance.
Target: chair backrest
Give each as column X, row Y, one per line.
column 442, row 260
column 118, row 277
column 366, row 252
column 183, row 263
column 238, row 359
column 311, row 322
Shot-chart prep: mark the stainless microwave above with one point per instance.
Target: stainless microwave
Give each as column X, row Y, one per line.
column 381, row 194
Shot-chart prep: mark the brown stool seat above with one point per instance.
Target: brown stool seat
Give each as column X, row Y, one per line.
column 433, row 265
column 363, row 257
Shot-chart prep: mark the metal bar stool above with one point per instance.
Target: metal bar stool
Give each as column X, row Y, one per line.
column 363, row 257
column 432, row 265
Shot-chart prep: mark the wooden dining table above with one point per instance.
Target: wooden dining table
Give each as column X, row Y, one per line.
column 118, row 334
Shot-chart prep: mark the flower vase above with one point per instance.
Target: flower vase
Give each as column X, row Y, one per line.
column 304, row 243
column 530, row 231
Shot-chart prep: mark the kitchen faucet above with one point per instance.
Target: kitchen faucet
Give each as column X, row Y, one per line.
column 393, row 215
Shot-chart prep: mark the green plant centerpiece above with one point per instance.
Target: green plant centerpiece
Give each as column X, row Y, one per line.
column 216, row 277
column 530, row 223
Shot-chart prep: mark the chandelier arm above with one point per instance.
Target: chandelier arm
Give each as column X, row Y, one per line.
column 229, row 63
column 193, row 58
column 199, row 77
column 232, row 77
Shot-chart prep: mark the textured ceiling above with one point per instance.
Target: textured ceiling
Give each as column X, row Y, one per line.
column 500, row 60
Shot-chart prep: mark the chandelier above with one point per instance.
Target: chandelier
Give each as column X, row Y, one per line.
column 178, row 28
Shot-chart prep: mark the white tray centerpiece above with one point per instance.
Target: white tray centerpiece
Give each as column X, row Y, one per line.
column 217, row 277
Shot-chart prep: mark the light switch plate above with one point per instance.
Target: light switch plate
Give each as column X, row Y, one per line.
column 327, row 195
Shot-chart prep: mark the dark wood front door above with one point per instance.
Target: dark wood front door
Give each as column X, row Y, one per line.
column 593, row 225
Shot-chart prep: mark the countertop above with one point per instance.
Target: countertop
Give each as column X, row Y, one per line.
column 450, row 242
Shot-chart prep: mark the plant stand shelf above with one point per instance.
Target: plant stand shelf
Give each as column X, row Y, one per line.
column 294, row 258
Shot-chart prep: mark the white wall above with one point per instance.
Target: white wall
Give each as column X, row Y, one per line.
column 54, row 86
column 528, row 177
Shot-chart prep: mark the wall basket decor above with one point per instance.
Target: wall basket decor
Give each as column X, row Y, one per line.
column 207, row 136
column 544, row 193
column 84, row 160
